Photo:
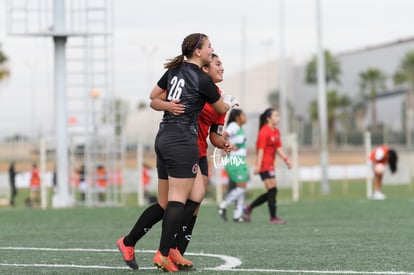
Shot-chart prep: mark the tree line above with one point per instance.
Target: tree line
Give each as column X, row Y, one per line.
column 372, row 82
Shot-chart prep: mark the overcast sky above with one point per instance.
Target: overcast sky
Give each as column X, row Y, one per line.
column 159, row 26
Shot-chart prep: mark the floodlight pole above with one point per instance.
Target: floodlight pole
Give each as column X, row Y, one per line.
column 368, row 146
column 62, row 197
column 243, row 64
column 322, row 105
column 282, row 74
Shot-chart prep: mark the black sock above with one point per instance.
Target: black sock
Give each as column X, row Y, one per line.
column 271, row 201
column 183, row 244
column 187, row 225
column 148, row 218
column 171, row 221
column 261, row 199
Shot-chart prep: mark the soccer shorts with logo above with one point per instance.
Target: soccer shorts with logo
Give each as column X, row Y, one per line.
column 177, row 151
column 236, row 168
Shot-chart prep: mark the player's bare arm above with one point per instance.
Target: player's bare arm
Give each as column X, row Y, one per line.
column 285, row 158
column 159, row 103
column 220, row 142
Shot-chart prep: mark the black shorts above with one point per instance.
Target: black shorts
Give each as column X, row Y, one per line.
column 267, row 175
column 177, row 151
column 203, row 164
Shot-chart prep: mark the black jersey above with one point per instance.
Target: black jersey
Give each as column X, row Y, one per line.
column 192, row 87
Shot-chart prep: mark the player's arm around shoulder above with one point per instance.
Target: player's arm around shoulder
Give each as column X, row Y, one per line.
column 156, row 92
column 225, row 103
column 220, row 106
column 160, row 103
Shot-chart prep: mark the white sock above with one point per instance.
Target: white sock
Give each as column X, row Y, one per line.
column 232, row 196
column 238, row 210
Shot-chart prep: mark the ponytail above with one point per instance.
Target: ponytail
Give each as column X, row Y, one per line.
column 190, row 44
column 392, row 160
column 174, row 62
column 264, row 116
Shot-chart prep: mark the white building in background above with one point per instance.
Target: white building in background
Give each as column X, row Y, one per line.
column 253, row 91
column 386, row 57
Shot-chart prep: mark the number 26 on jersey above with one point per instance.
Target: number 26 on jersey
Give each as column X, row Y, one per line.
column 176, row 88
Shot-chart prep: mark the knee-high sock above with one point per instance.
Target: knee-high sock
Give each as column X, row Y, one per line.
column 185, row 241
column 271, row 201
column 238, row 210
column 171, row 221
column 184, row 234
column 232, row 196
column 261, row 199
column 148, row 218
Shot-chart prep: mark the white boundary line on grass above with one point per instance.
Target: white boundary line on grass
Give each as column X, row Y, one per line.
column 230, row 263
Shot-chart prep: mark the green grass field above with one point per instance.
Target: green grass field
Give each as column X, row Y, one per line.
column 340, row 233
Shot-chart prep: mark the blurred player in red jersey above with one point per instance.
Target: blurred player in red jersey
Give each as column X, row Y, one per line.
column 269, row 143
column 34, row 187
column 146, row 180
column 209, row 121
column 379, row 158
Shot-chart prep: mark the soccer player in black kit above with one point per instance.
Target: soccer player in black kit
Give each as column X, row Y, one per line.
column 176, row 142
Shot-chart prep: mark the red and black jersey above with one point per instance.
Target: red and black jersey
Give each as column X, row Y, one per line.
column 192, row 87
column 269, row 140
column 207, row 118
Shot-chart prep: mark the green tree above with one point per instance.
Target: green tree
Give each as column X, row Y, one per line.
column 16, row 138
column 332, row 69
column 332, row 73
column 372, row 82
column 405, row 74
column 335, row 103
column 4, row 71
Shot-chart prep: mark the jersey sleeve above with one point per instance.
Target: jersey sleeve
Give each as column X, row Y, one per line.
column 220, row 119
column 208, row 89
column 163, row 82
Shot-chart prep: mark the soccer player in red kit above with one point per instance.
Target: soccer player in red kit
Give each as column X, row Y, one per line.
column 380, row 157
column 267, row 146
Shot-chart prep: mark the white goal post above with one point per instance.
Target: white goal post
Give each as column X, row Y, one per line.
column 368, row 148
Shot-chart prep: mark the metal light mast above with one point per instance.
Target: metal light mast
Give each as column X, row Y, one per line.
column 75, row 75
column 322, row 105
